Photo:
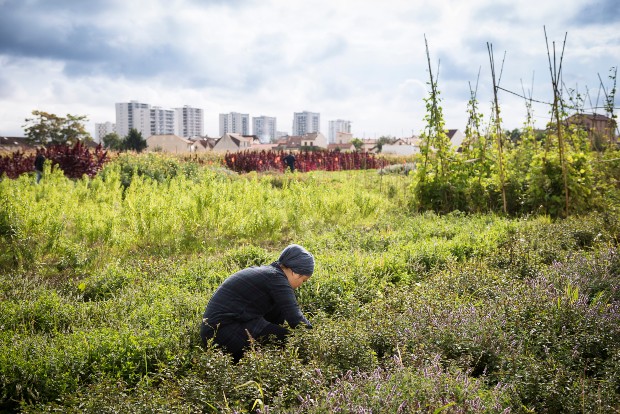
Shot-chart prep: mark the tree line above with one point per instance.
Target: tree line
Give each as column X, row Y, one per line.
column 45, row 128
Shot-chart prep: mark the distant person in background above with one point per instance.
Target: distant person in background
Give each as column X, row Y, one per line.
column 39, row 162
column 254, row 303
column 289, row 160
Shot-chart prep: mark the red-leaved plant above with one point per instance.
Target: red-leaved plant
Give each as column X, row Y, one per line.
column 75, row 161
column 247, row 161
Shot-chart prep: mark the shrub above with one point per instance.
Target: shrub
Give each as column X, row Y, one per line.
column 338, row 346
column 75, row 161
column 305, row 161
column 158, row 167
column 247, row 256
column 428, row 388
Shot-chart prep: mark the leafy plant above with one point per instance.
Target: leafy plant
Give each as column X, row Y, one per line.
column 75, row 161
column 305, row 161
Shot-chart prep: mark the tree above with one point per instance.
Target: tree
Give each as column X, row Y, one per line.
column 46, row 128
column 43, row 128
column 514, row 135
column 134, row 141
column 73, row 129
column 112, row 141
column 357, row 143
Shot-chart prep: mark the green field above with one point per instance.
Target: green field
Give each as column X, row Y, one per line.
column 103, row 283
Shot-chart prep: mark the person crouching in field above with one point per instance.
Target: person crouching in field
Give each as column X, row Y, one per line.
column 254, row 303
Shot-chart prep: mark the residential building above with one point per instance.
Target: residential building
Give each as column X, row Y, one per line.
column 346, row 147
column 235, row 142
column 370, row 145
column 163, row 122
column 415, row 140
column 263, row 147
column 12, row 144
column 264, row 127
column 307, row 141
column 399, row 147
column 169, row 143
column 306, row 123
column 190, row 122
column 314, row 140
column 186, row 121
column 204, row 144
column 456, row 139
column 411, row 145
column 288, row 142
column 339, row 125
column 601, row 129
column 103, row 129
column 343, row 138
column 134, row 115
column 234, row 123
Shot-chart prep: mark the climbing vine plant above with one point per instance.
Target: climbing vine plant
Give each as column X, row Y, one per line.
column 438, row 179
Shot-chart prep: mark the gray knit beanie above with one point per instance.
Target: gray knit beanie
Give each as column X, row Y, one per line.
column 298, row 259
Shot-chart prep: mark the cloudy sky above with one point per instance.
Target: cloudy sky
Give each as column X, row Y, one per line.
column 363, row 60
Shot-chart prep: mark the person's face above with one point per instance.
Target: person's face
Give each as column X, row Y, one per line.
column 297, row 280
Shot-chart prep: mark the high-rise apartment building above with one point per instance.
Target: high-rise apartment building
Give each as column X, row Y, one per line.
column 163, row 122
column 234, row 122
column 190, row 122
column 264, row 127
column 133, row 115
column 306, row 123
column 339, row 125
column 103, row 129
column 186, row 122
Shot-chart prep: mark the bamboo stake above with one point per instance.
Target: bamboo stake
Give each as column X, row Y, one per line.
column 609, row 105
column 556, row 74
column 473, row 123
column 498, row 128
column 430, row 71
column 432, row 120
column 528, row 102
column 473, row 116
